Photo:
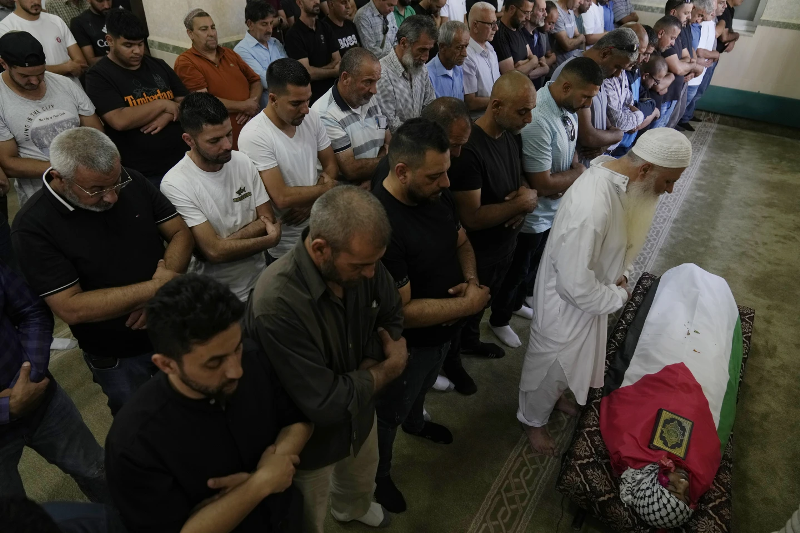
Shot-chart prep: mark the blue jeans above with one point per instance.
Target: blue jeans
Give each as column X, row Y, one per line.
column 403, row 399
column 62, row 438
column 79, row 517
column 701, row 89
column 691, row 101
column 120, row 377
column 666, row 110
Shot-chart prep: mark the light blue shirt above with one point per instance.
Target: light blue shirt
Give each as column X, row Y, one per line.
column 546, row 145
column 446, row 82
column 259, row 57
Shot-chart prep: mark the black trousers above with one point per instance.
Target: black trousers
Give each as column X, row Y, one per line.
column 520, row 277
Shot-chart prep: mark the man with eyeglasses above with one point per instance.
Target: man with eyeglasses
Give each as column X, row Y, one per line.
column 550, row 163
column 377, row 26
column 513, row 52
column 35, row 106
column 96, row 254
column 481, row 68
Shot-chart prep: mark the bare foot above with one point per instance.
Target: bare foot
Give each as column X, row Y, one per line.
column 567, row 406
column 541, row 441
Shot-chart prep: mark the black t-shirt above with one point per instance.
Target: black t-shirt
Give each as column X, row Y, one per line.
column 346, row 35
column 727, row 16
column 59, row 246
column 163, row 448
column 423, row 251
column 89, row 28
column 494, row 166
column 111, row 87
column 381, row 171
column 318, row 45
column 674, row 91
column 686, row 39
column 509, row 43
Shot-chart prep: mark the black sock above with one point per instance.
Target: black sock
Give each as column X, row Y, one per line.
column 433, row 432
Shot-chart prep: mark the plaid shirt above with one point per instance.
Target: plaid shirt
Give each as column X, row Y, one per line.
column 369, row 23
column 67, row 9
column 26, row 331
column 402, row 97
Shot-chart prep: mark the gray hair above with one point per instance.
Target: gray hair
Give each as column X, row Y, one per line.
column 477, row 7
column 620, row 39
column 449, row 30
column 709, row 6
column 414, row 26
column 85, row 148
column 188, row 20
column 354, row 59
column 345, row 211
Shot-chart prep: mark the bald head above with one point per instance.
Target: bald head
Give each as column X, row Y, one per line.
column 512, row 100
column 641, row 33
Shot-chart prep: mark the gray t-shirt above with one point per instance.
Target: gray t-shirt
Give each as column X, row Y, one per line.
column 33, row 124
column 565, row 22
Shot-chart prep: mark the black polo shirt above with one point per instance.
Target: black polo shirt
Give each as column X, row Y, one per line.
column 493, row 166
column 423, row 251
column 674, row 91
column 318, row 45
column 509, row 43
column 163, row 448
column 59, row 245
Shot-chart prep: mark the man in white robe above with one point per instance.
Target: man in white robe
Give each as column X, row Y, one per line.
column 600, row 226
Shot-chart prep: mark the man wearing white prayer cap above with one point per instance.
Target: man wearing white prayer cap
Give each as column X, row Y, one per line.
column 600, row 226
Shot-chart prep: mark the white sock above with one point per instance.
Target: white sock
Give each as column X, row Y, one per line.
column 507, row 336
column 529, row 302
column 443, row 384
column 425, row 414
column 374, row 517
column 525, row 312
column 60, row 343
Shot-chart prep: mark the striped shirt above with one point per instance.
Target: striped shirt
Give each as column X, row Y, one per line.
column 481, row 70
column 622, row 8
column 369, row 23
column 362, row 129
column 546, row 145
column 401, row 95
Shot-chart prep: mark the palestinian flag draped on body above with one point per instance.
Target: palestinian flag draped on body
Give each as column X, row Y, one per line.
column 683, row 355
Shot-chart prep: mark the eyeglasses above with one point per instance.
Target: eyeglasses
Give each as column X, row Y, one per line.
column 116, row 188
column 569, row 127
column 631, row 48
column 492, row 24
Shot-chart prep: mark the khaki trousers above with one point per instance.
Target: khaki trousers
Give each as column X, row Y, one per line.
column 349, row 483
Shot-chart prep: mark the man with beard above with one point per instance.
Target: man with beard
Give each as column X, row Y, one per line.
column 402, row 11
column 513, row 52
column 538, row 42
column 210, row 444
column 35, row 106
column 137, row 97
column 313, row 44
column 550, row 163
column 206, row 66
column 433, row 265
column 490, row 196
column 447, row 76
column 405, row 88
column 96, row 254
column 259, row 48
column 613, row 53
column 598, row 231
column 89, row 29
column 63, row 54
column 285, row 144
column 219, row 194
column 330, row 320
column 355, row 124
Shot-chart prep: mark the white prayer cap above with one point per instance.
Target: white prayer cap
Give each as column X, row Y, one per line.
column 664, row 147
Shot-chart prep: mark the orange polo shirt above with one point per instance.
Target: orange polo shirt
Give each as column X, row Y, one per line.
column 229, row 79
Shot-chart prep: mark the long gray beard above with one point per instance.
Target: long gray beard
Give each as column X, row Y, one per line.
column 640, row 207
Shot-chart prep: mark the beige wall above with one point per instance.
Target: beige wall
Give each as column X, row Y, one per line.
column 764, row 61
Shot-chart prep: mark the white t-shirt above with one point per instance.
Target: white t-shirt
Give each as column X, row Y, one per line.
column 33, row 124
column 455, row 10
column 50, row 31
column 708, row 41
column 593, row 21
column 227, row 199
column 296, row 157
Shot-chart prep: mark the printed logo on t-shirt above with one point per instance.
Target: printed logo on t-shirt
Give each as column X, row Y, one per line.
column 43, row 124
column 102, row 43
column 347, row 42
column 242, row 194
column 58, row 40
column 143, row 95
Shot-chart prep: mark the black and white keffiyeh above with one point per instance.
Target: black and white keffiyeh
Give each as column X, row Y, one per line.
column 652, row 502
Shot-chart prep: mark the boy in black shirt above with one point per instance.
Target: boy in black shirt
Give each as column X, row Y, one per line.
column 137, row 97
column 433, row 264
column 89, row 29
column 211, row 442
column 339, row 20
